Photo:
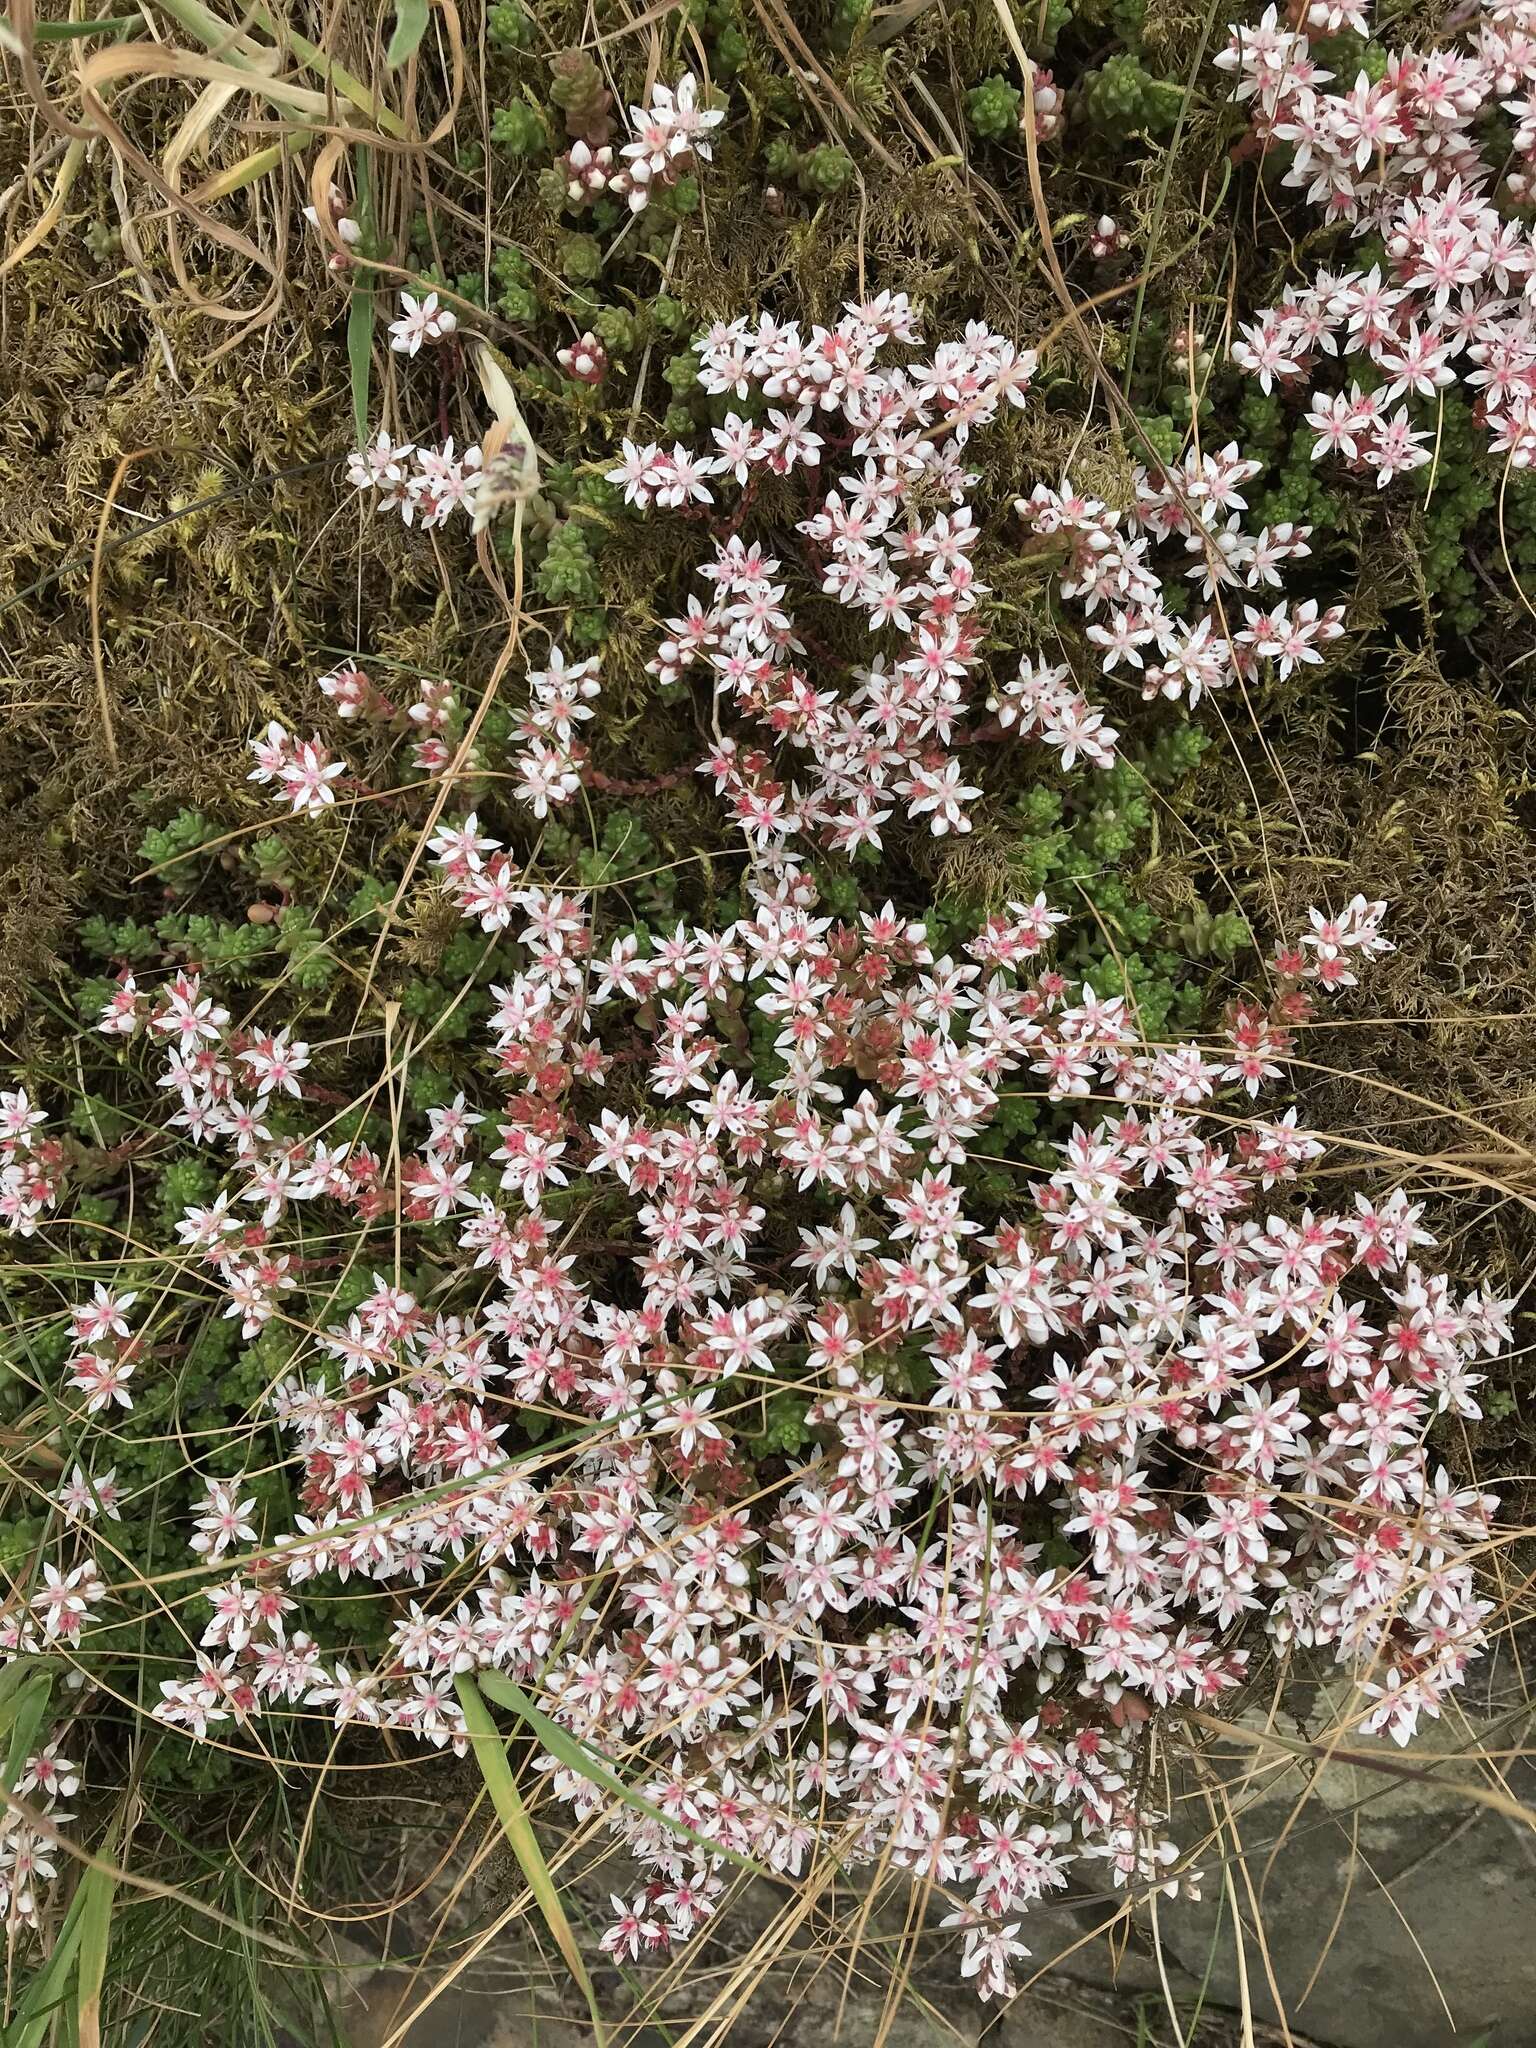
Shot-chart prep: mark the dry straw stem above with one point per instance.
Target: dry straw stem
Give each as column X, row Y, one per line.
column 150, row 60
column 1267, row 1741
column 238, row 64
column 109, row 733
column 53, row 212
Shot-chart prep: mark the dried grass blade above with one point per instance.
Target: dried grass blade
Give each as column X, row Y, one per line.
column 141, row 60
column 345, row 84
column 192, row 136
column 53, row 212
column 237, row 176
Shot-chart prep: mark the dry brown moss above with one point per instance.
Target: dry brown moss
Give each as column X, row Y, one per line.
column 233, row 569
column 1428, row 1071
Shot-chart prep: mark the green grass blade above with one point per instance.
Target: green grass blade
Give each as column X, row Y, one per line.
column 410, row 27
column 97, row 1889
column 490, row 1754
column 46, row 1994
column 13, row 1679
column 575, row 1755
column 75, row 31
column 360, row 353
column 22, row 1716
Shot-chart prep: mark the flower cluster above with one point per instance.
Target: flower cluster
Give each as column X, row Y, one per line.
column 893, row 537
column 1198, row 503
column 1050, row 107
column 1408, row 157
column 303, row 773
column 348, row 231
column 29, row 1163
column 814, row 1491
column 1065, row 1468
column 585, row 361
column 28, row 1853
column 49, row 1614
column 425, row 485
column 668, row 135
column 421, row 321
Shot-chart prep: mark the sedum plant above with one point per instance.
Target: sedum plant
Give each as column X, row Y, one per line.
column 714, row 1357
column 1412, row 155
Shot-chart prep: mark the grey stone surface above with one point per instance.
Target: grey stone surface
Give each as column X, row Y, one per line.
column 1086, row 1998
column 1379, row 1908
column 1395, row 1910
